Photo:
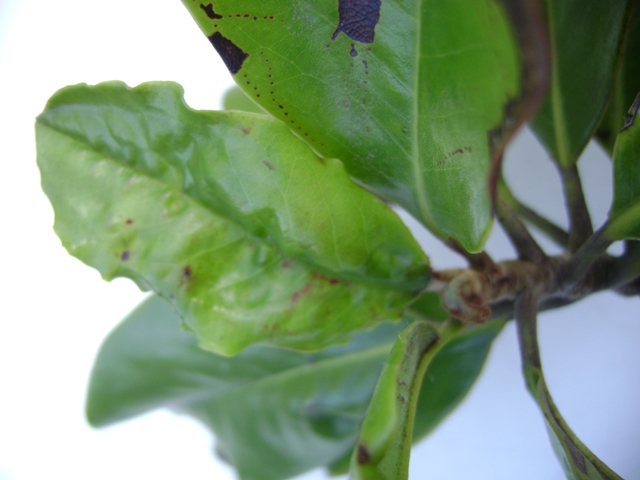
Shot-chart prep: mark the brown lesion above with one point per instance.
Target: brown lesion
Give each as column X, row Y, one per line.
column 453, row 153
column 358, row 19
column 232, row 55
column 187, row 275
column 364, row 456
column 208, row 9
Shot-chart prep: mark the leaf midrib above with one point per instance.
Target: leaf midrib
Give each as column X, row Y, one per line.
column 122, row 164
column 415, row 156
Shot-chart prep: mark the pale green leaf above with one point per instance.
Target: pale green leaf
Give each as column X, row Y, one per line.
column 236, row 99
column 249, row 234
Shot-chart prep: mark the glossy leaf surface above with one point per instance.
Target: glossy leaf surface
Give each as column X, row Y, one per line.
column 413, row 96
column 624, row 218
column 249, row 234
column 276, row 412
column 383, row 448
column 586, row 39
column 626, row 87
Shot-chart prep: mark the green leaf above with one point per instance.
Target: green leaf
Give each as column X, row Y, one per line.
column 308, row 406
column 417, row 98
column 586, row 38
column 578, row 462
column 384, row 445
column 275, row 412
column 451, row 374
column 236, row 99
column 251, row 236
column 449, row 377
column 626, row 87
column 624, row 218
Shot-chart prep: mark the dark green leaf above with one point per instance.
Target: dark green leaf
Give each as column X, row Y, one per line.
column 276, row 412
column 236, row 99
column 578, row 462
column 249, row 234
column 451, row 374
column 416, row 98
column 624, row 218
column 383, row 448
column 626, row 87
column 586, row 39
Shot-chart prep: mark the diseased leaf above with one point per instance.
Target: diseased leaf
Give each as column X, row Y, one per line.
column 417, row 98
column 449, row 377
column 578, row 462
column 383, row 448
column 586, row 38
column 624, row 218
column 451, row 374
column 626, row 87
column 236, row 99
column 250, row 235
column 275, row 412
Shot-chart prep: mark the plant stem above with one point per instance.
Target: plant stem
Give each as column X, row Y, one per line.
column 526, row 314
column 580, row 227
column 579, row 263
column 544, row 225
column 523, row 242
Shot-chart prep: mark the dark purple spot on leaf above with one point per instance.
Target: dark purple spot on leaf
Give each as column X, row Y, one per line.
column 358, row 19
column 208, row 9
column 363, row 454
column 125, row 255
column 353, row 52
column 186, row 272
column 232, row 55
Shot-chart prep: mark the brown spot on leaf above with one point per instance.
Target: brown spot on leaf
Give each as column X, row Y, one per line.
column 286, row 263
column 129, row 221
column 358, row 19
column 245, row 131
column 269, row 166
column 208, row 9
column 363, row 454
column 232, row 55
column 295, row 298
column 186, row 273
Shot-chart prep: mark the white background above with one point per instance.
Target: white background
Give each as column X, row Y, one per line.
column 56, row 311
